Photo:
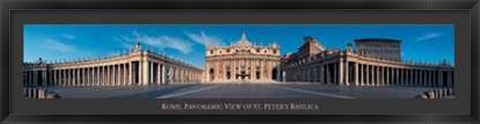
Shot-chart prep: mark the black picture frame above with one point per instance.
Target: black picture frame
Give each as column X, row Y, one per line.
column 6, row 62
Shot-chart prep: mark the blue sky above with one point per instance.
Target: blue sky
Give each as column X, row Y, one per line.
column 186, row 42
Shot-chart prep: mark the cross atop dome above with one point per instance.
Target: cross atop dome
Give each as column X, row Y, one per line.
column 244, row 40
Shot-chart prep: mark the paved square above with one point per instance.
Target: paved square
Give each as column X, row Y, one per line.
column 238, row 90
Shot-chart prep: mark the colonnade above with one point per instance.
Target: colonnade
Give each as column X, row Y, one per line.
column 119, row 74
column 364, row 74
column 342, row 72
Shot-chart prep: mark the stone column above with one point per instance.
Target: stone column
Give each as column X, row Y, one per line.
column 362, row 74
column 159, row 73
column 102, row 74
column 356, row 74
column 111, row 75
column 69, row 77
column 86, row 75
column 145, row 72
column 90, row 75
column 347, row 71
column 99, row 75
column 388, row 76
column 77, row 77
column 98, row 78
column 115, row 75
column 164, row 74
column 107, row 75
column 340, row 70
column 74, row 77
column 119, row 75
column 88, row 72
column 44, row 77
column 93, row 75
column 54, row 77
column 130, row 73
column 126, row 76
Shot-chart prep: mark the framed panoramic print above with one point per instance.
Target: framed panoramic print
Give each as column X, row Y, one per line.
column 239, row 61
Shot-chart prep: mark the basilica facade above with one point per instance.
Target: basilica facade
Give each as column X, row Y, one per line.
column 242, row 62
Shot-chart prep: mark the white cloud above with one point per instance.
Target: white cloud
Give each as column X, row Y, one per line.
column 428, row 36
column 58, row 46
column 161, row 42
column 204, row 39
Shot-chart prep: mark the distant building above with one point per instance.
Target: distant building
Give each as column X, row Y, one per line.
column 374, row 62
column 242, row 62
column 389, row 49
column 138, row 67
